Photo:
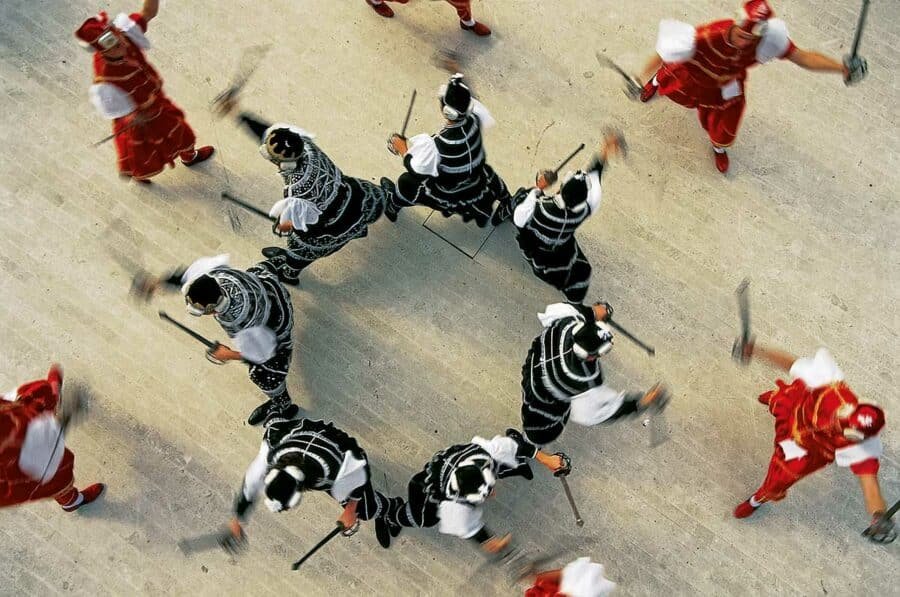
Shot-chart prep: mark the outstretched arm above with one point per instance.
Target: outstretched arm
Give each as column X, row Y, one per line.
column 776, row 358
column 871, row 493
column 816, row 62
column 149, row 10
column 651, row 67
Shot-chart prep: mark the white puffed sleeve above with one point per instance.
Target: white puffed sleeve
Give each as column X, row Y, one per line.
column 43, row 448
column 424, row 155
column 255, row 477
column 130, row 28
column 459, row 520
column 817, row 371
column 523, row 212
column 775, row 41
column 859, row 452
column 583, row 578
column 350, row 476
column 301, row 213
column 596, row 405
column 202, row 266
column 556, row 311
column 256, row 344
column 111, row 102
column 595, row 191
column 501, row 448
column 676, row 41
column 484, row 116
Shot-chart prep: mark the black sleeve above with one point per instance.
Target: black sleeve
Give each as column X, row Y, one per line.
column 629, row 406
column 595, row 165
column 174, row 276
column 481, row 536
column 242, row 505
column 253, row 123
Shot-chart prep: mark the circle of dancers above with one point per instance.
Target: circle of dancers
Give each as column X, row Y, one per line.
column 818, row 418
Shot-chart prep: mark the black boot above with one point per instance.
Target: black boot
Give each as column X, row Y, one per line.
column 383, row 532
column 268, row 410
column 390, row 206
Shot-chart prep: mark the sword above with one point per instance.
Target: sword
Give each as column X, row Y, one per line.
column 632, row 88
column 887, row 516
column 578, row 520
column 252, row 209
column 568, row 159
column 205, row 341
column 125, row 129
column 339, row 528
column 412, row 101
column 649, row 349
column 860, row 25
column 211, row 345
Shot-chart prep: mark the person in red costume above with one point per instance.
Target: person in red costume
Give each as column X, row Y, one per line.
column 150, row 131
column 463, row 10
column 818, row 420
column 705, row 67
column 581, row 578
column 34, row 462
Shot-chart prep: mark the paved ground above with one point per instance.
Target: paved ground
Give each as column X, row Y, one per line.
column 411, row 346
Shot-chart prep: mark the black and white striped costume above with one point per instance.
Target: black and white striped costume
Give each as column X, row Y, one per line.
column 343, row 206
column 545, row 231
column 332, row 462
column 431, row 501
column 259, row 317
column 448, row 171
column 557, row 384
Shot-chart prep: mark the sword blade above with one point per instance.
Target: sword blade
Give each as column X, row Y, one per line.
column 200, row 543
column 334, row 532
column 743, row 299
column 165, row 317
column 632, row 89
column 860, row 25
column 568, row 159
column 578, row 520
column 649, row 349
column 412, row 101
column 251, row 208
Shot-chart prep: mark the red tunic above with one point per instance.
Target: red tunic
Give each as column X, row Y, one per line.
column 146, row 148
column 544, row 587
column 699, row 82
column 33, row 399
column 809, row 418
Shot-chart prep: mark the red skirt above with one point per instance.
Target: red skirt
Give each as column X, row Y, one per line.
column 145, row 149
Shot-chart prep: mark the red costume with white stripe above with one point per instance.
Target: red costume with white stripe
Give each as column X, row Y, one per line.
column 581, row 578
column 811, row 417
column 32, row 447
column 703, row 70
column 151, row 130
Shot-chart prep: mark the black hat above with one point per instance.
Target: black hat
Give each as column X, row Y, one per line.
column 283, row 144
column 457, row 95
column 575, row 191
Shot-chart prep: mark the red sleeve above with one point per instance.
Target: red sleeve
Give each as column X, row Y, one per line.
column 139, row 19
column 866, row 467
column 790, row 49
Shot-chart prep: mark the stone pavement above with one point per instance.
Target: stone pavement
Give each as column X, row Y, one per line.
column 411, row 346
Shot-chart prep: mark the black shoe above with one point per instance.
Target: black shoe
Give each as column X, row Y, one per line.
column 270, row 252
column 267, row 411
column 383, row 532
column 390, row 208
column 394, row 529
